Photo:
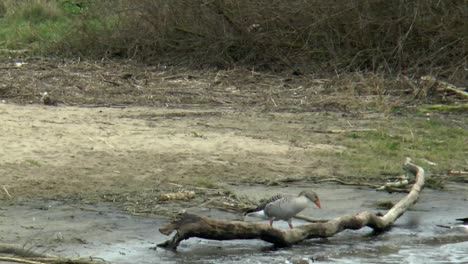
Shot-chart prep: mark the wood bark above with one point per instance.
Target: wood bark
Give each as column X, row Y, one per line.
column 190, row 225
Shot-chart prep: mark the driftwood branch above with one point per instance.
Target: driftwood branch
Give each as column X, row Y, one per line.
column 191, row 225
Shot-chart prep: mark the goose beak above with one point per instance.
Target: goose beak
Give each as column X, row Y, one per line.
column 318, row 203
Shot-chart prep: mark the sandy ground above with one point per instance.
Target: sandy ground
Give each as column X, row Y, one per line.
column 109, row 154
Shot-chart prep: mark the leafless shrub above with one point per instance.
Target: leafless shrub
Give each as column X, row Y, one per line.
column 408, row 36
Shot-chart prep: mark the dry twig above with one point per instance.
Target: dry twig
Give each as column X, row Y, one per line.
column 6, row 191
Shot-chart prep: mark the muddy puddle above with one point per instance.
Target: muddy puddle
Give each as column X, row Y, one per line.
column 101, row 232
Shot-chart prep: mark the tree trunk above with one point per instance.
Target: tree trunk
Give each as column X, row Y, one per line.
column 191, row 225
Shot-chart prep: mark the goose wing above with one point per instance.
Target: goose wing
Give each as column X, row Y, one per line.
column 286, row 208
column 265, row 203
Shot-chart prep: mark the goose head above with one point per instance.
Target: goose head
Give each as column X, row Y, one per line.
column 312, row 196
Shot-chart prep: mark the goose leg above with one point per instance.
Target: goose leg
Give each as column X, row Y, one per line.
column 271, row 222
column 290, row 224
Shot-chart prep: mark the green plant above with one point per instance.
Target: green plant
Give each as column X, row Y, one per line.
column 38, row 26
column 76, row 6
column 380, row 152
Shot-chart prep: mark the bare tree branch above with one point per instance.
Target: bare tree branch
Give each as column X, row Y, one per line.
column 191, row 225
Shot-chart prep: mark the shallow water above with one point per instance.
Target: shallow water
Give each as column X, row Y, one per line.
column 102, row 232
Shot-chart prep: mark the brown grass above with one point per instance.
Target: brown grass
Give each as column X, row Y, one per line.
column 32, row 10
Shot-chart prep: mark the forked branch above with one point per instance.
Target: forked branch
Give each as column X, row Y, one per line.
column 191, row 225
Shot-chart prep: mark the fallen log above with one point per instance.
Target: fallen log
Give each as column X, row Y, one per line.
column 191, row 225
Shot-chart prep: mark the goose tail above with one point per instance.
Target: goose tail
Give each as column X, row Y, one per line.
column 257, row 214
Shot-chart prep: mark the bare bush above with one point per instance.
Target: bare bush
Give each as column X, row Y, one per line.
column 372, row 35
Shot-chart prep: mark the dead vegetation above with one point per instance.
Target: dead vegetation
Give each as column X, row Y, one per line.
column 281, row 56
column 408, row 37
column 85, row 83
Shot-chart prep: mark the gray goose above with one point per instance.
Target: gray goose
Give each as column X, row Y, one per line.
column 284, row 207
